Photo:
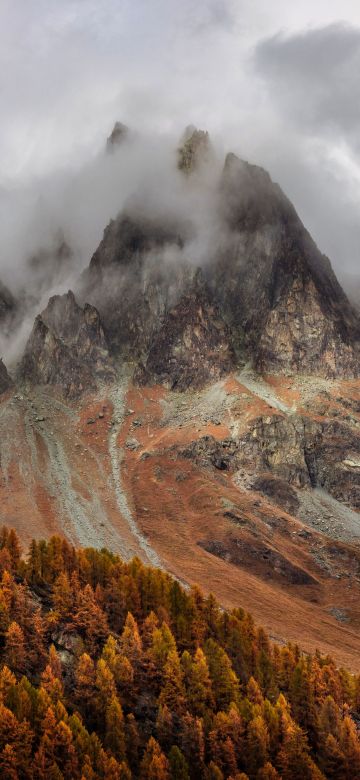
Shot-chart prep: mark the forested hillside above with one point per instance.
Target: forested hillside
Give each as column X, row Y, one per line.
column 112, row 670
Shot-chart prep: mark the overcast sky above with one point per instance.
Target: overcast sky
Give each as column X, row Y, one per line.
column 278, row 84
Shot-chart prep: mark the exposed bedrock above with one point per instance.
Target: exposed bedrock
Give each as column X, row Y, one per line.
column 67, row 347
column 193, row 346
column 296, row 451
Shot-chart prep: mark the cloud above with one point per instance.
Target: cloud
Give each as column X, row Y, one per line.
column 311, row 98
column 313, row 77
column 69, row 69
column 275, row 83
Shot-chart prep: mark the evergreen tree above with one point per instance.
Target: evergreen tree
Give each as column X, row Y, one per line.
column 154, row 765
column 14, row 651
column 63, row 597
column 85, row 686
column 115, row 729
column 90, row 620
column 224, row 681
column 179, row 769
column 172, row 691
column 258, row 743
column 130, row 641
column 267, row 772
column 199, row 695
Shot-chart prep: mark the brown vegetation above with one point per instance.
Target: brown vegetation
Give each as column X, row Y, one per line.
column 111, row 670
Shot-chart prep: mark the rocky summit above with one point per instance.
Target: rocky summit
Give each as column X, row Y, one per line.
column 275, row 284
column 67, row 347
column 196, row 401
column 194, row 150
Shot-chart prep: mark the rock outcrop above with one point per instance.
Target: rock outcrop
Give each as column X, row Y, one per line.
column 281, row 450
column 7, row 306
column 194, row 150
column 5, row 380
column 67, row 347
column 131, row 284
column 276, row 285
column 131, row 237
column 193, row 346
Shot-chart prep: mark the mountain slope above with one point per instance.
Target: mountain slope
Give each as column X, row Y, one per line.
column 200, row 407
column 218, row 486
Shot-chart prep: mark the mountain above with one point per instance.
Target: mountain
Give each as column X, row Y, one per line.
column 196, row 404
column 194, row 150
column 282, row 303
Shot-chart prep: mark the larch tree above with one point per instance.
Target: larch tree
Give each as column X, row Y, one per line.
column 178, row 765
column 172, row 690
column 224, row 681
column 14, row 651
column 115, row 729
column 197, row 682
column 154, row 765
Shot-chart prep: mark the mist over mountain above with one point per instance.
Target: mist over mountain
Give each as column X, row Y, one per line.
column 173, row 206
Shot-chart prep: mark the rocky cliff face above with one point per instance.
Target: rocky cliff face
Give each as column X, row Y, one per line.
column 278, row 450
column 193, row 346
column 274, row 283
column 131, row 285
column 67, row 347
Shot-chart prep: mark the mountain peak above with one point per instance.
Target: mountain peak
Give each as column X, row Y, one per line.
column 117, row 136
column 194, row 150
